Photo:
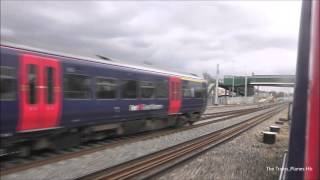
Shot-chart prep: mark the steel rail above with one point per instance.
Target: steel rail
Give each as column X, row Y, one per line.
column 141, row 165
column 119, row 141
column 236, row 110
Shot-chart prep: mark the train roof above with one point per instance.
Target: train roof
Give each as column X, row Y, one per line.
column 190, row 76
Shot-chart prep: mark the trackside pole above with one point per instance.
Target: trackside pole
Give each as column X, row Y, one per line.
column 217, row 85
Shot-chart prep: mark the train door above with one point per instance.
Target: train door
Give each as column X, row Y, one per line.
column 40, row 93
column 174, row 95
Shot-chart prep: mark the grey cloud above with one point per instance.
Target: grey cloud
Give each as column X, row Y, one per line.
column 257, row 41
column 173, row 34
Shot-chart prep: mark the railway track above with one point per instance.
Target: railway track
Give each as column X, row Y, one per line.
column 17, row 165
column 148, row 166
column 224, row 113
column 223, row 106
column 231, row 106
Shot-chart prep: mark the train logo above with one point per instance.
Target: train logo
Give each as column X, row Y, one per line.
column 143, row 107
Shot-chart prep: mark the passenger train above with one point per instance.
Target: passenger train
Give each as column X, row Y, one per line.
column 51, row 100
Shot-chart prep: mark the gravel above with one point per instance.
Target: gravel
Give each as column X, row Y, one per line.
column 82, row 165
column 244, row 157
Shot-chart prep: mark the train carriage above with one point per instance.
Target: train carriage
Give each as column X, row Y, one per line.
column 45, row 96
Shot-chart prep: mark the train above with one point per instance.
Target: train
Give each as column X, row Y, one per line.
column 303, row 159
column 51, row 100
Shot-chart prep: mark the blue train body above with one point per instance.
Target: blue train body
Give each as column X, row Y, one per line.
column 40, row 97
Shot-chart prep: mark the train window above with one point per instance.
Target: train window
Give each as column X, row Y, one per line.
column 106, row 88
column 147, row 89
column 76, row 86
column 188, row 91
column 178, row 91
column 8, row 83
column 198, row 93
column 162, row 89
column 198, row 89
column 129, row 89
column 171, row 88
column 32, row 83
column 175, row 90
column 50, row 81
column 203, row 90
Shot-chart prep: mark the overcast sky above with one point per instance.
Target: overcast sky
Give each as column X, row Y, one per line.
column 242, row 36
